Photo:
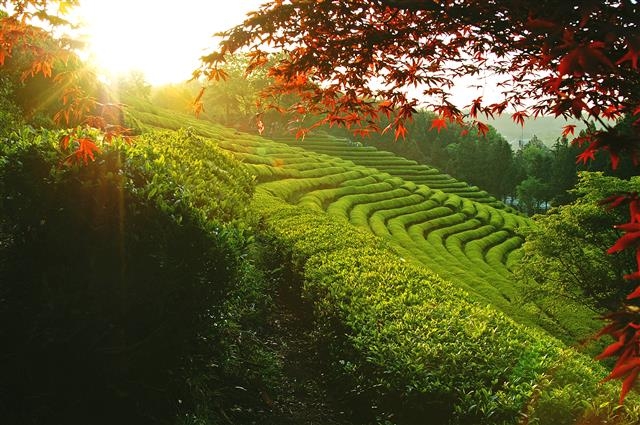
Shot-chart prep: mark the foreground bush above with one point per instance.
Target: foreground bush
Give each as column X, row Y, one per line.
column 114, row 289
column 407, row 347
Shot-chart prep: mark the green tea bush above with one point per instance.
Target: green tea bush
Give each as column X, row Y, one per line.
column 483, row 213
column 295, row 188
column 421, row 214
column 407, row 347
column 446, row 232
column 418, row 204
column 363, row 213
column 361, row 181
column 344, row 205
column 394, row 165
column 422, row 230
column 497, row 253
column 497, row 218
column 476, row 233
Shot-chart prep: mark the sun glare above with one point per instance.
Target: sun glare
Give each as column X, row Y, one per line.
column 163, row 39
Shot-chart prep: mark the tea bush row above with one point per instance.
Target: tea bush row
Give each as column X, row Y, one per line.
column 405, row 345
column 394, row 165
column 339, row 196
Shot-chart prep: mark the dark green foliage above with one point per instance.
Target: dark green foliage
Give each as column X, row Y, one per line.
column 564, row 253
column 113, row 298
column 10, row 113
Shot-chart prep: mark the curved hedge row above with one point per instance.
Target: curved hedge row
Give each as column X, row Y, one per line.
column 356, row 193
column 406, row 345
column 397, row 166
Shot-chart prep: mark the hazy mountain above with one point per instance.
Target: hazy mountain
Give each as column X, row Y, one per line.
column 547, row 129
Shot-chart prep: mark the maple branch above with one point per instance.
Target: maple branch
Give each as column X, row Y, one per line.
column 604, row 124
column 411, row 5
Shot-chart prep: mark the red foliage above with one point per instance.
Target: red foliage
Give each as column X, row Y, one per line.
column 80, row 110
column 85, row 150
column 438, row 123
column 519, row 117
column 483, row 129
column 577, row 59
column 625, row 325
column 568, row 130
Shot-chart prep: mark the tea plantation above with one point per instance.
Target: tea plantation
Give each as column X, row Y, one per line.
column 456, row 230
column 387, row 281
column 408, row 274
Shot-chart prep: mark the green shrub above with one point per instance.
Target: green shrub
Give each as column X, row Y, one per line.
column 114, row 286
column 10, row 113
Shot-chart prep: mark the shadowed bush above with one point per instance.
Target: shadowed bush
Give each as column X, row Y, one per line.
column 112, row 287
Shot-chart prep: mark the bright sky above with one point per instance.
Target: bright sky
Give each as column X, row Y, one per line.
column 164, row 39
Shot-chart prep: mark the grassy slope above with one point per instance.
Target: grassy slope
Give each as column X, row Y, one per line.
column 293, row 176
column 462, row 236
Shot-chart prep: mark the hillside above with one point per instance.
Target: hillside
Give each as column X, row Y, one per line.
column 401, row 340
column 430, row 218
column 252, row 281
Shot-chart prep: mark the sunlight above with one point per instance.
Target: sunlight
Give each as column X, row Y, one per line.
column 163, row 39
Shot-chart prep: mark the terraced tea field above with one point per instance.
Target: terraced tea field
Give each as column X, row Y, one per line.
column 358, row 243
column 456, row 230
column 394, row 165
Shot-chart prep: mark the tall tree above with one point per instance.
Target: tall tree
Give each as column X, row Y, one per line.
column 563, row 252
column 352, row 61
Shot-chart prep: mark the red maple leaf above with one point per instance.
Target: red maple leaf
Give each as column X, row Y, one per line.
column 615, row 159
column 438, row 123
column 628, row 383
column 476, row 106
column 64, row 142
column 612, row 112
column 612, row 349
column 519, row 117
column 627, row 240
column 85, row 151
column 568, row 129
column 483, row 129
column 636, row 292
column 301, row 133
column 386, row 107
column 401, row 131
column 584, row 59
column 623, row 369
